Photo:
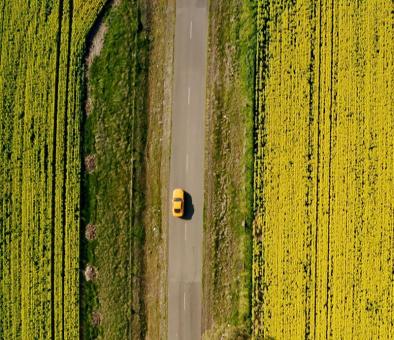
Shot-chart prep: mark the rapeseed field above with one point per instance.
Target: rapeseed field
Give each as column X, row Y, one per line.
column 42, row 46
column 324, row 196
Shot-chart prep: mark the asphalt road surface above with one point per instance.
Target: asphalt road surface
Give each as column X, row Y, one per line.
column 187, row 170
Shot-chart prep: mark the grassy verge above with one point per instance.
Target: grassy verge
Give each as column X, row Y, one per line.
column 228, row 208
column 160, row 20
column 129, row 106
column 114, row 135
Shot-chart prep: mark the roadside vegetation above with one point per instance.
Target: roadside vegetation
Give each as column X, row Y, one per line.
column 40, row 108
column 160, row 18
column 323, row 202
column 125, row 155
column 229, row 170
column 114, row 139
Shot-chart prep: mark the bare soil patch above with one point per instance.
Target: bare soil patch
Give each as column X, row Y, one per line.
column 90, row 232
column 97, row 43
column 90, row 163
column 90, row 273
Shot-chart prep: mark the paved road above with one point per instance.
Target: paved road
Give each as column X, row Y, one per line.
column 187, row 170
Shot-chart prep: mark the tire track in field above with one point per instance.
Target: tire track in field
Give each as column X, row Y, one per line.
column 330, row 172
column 2, row 25
column 53, row 215
column 308, row 245
column 65, row 149
column 260, row 139
column 5, row 313
column 263, row 35
column 54, row 172
column 317, row 165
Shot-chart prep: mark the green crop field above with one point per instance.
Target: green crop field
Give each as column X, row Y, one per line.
column 324, row 170
column 42, row 44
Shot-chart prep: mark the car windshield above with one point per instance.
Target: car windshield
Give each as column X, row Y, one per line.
column 177, row 211
column 177, row 199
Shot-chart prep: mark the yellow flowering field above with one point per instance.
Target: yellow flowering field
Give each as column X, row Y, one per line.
column 41, row 70
column 324, row 171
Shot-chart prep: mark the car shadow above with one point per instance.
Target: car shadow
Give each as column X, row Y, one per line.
column 189, row 207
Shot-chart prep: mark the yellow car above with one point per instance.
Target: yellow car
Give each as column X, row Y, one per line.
column 178, row 198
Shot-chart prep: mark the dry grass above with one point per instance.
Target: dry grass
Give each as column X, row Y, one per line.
column 161, row 16
column 226, row 272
